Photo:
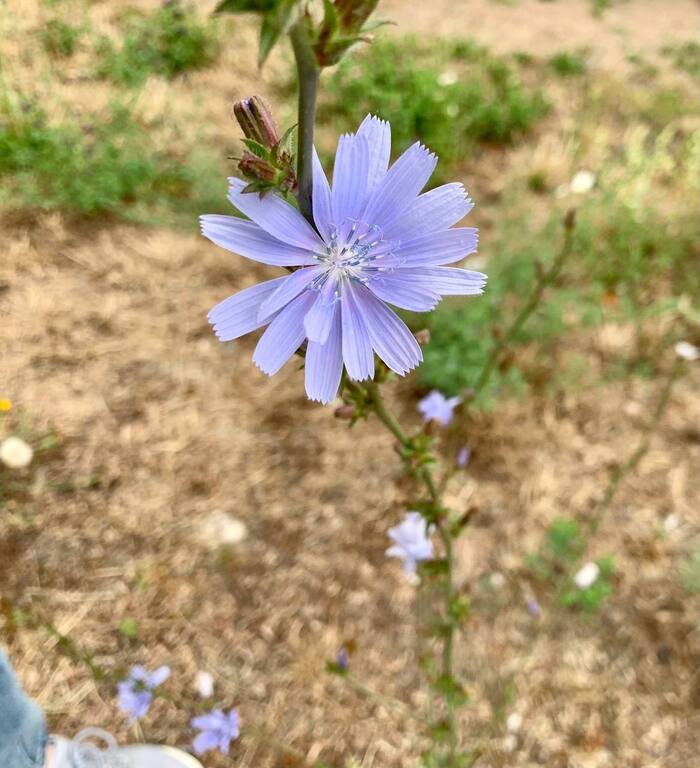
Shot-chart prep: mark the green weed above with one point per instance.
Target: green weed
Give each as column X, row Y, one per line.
column 167, row 42
column 60, row 39
column 451, row 95
column 566, row 64
column 684, row 56
column 101, row 164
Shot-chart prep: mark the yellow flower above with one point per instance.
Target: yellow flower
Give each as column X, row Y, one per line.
column 5, row 405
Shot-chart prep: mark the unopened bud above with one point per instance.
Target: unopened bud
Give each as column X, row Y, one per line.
column 423, row 336
column 253, row 167
column 256, row 121
column 344, row 412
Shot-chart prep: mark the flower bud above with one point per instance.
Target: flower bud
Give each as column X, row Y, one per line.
column 423, row 336
column 344, row 412
column 253, row 167
column 256, row 121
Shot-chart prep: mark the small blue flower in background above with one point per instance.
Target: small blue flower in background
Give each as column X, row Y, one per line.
column 436, row 407
column 343, row 659
column 218, row 730
column 464, row 456
column 533, row 608
column 377, row 240
column 411, row 542
column 135, row 694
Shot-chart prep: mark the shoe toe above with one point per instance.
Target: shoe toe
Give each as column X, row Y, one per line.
column 156, row 756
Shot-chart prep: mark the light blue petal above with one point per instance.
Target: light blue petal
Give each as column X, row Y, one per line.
column 205, row 741
column 247, row 239
column 292, row 286
column 158, row 677
column 357, row 347
column 324, row 363
column 404, row 292
column 284, row 335
column 447, row 281
column 349, row 193
column 390, row 336
column 378, row 135
column 321, row 200
column 276, row 216
column 433, row 211
column 238, row 314
column 319, row 319
column 400, row 186
column 436, row 248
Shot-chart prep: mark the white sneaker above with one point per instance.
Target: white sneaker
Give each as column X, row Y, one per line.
column 85, row 752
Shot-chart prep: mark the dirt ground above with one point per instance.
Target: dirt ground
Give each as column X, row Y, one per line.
column 162, row 431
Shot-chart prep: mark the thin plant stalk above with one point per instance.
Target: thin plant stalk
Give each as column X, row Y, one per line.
column 308, row 75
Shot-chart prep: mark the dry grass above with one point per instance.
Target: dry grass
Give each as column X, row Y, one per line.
column 104, row 338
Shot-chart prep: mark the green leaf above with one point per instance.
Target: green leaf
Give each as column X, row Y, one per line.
column 257, row 148
column 129, row 627
column 244, row 6
column 275, row 23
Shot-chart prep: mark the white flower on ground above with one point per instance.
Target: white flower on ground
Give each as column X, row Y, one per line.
column 687, row 351
column 582, row 183
column 15, row 453
column 587, row 576
column 514, row 721
column 411, row 542
column 204, row 683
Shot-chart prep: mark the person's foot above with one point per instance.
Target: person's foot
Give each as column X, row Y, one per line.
column 95, row 748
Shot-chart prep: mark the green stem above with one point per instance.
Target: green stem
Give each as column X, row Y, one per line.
column 425, row 475
column 308, row 75
column 544, row 280
column 639, row 452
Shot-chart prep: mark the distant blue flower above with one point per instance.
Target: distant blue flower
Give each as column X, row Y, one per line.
column 135, row 694
column 218, row 730
column 411, row 542
column 377, row 240
column 437, row 407
column 343, row 658
column 464, row 456
column 533, row 608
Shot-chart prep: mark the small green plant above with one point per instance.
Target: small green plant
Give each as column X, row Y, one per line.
column 684, row 56
column 106, row 163
column 450, row 94
column 589, row 599
column 60, row 39
column 129, row 627
column 167, row 42
column 568, row 63
column 690, row 572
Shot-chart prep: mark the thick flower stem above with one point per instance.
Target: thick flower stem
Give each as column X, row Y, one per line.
column 308, row 75
column 425, row 475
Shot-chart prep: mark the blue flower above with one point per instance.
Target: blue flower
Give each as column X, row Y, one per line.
column 377, row 240
column 135, row 694
column 411, row 542
column 218, row 730
column 437, row 407
column 464, row 456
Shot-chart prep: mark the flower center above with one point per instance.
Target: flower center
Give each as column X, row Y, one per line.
column 358, row 251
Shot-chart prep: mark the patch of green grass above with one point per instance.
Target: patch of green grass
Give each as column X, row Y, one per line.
column 167, row 42
column 568, row 63
column 105, row 163
column 451, row 95
column 684, row 56
column 60, row 39
column 627, row 265
column 591, row 599
column 690, row 572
